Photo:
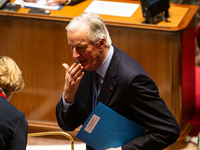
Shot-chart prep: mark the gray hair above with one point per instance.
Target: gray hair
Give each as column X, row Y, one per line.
column 95, row 24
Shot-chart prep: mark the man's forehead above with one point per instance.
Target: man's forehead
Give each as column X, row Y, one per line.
column 77, row 38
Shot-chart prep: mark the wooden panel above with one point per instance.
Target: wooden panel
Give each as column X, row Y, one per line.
column 39, row 48
column 181, row 14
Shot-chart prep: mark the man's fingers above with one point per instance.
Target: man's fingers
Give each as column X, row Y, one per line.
column 73, row 73
column 75, row 70
column 71, row 68
column 80, row 76
column 66, row 66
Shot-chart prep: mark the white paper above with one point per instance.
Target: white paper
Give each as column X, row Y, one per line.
column 92, row 123
column 112, row 8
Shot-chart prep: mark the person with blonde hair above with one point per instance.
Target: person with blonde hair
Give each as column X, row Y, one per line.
column 13, row 124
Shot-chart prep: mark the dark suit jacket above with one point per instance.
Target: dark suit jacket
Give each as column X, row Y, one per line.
column 133, row 95
column 13, row 127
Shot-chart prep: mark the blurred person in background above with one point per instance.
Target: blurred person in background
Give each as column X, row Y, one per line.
column 58, row 2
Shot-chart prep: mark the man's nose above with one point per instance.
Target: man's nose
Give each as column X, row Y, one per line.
column 75, row 53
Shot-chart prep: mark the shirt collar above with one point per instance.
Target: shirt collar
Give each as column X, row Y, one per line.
column 101, row 70
column 2, row 93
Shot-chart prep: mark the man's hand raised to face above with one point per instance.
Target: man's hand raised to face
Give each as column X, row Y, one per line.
column 73, row 77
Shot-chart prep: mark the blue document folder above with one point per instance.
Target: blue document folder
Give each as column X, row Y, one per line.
column 105, row 128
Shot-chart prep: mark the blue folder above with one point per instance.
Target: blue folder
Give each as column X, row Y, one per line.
column 105, row 128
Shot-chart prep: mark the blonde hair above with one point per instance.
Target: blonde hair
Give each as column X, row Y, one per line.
column 10, row 75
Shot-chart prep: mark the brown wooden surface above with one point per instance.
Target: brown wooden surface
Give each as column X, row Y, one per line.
column 177, row 12
column 38, row 44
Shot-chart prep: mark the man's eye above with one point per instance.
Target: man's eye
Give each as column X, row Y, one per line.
column 78, row 47
column 81, row 48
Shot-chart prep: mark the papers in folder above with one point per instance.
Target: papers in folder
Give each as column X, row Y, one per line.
column 105, row 128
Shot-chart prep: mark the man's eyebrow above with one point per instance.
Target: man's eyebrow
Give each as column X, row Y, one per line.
column 78, row 45
column 82, row 45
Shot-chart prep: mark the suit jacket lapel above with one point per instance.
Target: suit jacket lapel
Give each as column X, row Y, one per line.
column 109, row 84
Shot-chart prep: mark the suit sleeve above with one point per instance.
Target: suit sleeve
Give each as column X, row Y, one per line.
column 151, row 112
column 19, row 139
column 68, row 121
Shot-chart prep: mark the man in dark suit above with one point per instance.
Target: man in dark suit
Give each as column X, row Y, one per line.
column 124, row 86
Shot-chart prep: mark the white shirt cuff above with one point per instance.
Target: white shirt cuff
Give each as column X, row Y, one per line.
column 66, row 105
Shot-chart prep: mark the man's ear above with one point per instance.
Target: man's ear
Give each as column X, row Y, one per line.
column 102, row 44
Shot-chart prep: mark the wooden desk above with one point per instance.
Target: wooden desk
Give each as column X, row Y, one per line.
column 38, row 44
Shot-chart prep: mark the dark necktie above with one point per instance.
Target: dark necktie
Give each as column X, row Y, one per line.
column 94, row 87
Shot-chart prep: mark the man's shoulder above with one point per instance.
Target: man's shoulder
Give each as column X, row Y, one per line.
column 127, row 64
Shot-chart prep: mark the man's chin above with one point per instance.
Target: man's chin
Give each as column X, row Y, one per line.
column 86, row 68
